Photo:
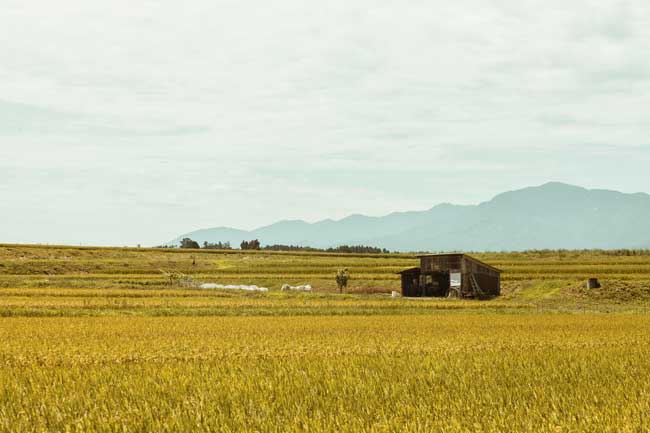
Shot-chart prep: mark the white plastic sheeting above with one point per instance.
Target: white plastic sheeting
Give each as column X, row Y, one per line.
column 305, row 288
column 252, row 288
column 455, row 279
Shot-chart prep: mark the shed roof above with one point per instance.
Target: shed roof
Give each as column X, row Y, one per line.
column 461, row 255
column 406, row 271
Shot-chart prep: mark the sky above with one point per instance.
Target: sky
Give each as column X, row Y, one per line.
column 125, row 123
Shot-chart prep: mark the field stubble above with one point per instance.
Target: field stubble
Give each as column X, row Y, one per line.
column 544, row 357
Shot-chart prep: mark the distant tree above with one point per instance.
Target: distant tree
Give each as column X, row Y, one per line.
column 356, row 249
column 250, row 245
column 280, row 247
column 217, row 246
column 359, row 249
column 189, row 243
column 342, row 278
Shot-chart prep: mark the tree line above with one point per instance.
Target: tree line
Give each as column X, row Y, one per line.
column 357, row 249
column 256, row 245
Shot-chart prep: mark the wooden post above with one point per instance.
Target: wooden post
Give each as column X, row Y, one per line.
column 593, row 283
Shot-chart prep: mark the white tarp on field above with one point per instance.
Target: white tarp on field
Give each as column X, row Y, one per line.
column 252, row 288
column 305, row 288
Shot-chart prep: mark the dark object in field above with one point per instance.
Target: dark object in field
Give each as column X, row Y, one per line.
column 342, row 277
column 593, row 283
column 451, row 275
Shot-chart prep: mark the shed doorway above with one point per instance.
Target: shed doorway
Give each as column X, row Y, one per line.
column 436, row 284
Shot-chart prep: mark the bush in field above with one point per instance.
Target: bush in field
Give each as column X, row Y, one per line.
column 178, row 278
column 342, row 278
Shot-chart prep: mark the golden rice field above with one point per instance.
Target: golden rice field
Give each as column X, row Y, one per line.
column 458, row 373
column 96, row 340
column 540, row 278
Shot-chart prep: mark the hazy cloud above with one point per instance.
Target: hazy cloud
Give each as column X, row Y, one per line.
column 114, row 115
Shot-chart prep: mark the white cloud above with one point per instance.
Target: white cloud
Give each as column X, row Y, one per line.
column 154, row 111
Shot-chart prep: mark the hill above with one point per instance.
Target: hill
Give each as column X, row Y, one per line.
column 550, row 216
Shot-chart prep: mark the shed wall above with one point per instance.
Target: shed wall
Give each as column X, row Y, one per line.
column 438, row 268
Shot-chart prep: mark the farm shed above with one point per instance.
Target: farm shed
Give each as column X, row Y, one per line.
column 453, row 275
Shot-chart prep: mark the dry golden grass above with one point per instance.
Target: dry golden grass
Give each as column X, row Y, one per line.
column 530, row 276
column 452, row 373
column 530, row 361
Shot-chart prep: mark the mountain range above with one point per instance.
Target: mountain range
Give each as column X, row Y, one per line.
column 551, row 216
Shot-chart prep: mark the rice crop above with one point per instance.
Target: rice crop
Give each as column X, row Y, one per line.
column 558, row 274
column 452, row 373
column 100, row 340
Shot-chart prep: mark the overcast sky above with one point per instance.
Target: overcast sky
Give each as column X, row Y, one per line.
column 125, row 122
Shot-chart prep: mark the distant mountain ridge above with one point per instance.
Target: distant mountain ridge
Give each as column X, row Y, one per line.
column 551, row 216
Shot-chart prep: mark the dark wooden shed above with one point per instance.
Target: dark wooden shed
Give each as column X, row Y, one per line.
column 451, row 275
